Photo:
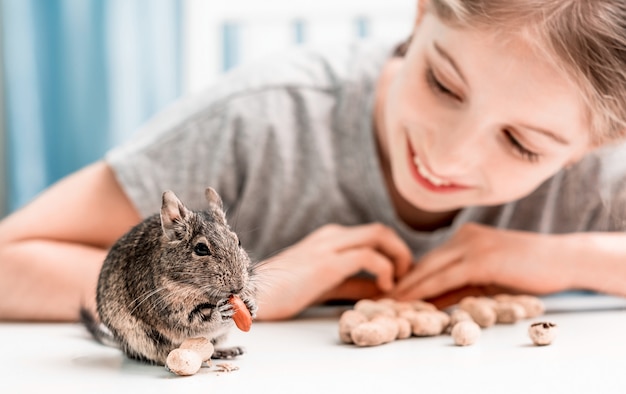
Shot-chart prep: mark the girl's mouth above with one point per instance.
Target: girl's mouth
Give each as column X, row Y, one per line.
column 425, row 173
column 427, row 179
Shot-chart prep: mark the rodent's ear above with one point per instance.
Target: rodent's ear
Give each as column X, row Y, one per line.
column 173, row 215
column 215, row 202
column 213, row 198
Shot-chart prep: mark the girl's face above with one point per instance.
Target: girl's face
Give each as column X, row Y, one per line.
column 471, row 118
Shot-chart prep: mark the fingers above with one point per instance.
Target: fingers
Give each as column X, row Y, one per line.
column 378, row 237
column 452, row 276
column 370, row 261
column 332, row 277
column 353, row 289
column 453, row 297
column 360, row 261
column 431, row 263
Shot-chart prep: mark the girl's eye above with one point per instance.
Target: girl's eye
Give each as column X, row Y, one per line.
column 201, row 249
column 521, row 149
column 437, row 86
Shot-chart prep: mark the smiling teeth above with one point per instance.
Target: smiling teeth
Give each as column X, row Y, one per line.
column 424, row 172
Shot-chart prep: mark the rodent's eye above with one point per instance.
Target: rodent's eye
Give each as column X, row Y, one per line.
column 201, row 249
column 238, row 242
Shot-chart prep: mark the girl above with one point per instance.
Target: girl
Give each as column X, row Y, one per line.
column 480, row 155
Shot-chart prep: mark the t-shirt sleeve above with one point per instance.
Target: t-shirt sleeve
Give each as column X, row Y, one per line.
column 184, row 149
column 589, row 196
column 610, row 193
column 227, row 135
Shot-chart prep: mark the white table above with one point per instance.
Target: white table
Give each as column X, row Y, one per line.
column 305, row 356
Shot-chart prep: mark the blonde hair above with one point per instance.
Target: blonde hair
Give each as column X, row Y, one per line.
column 586, row 39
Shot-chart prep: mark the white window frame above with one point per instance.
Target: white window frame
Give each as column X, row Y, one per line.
column 265, row 28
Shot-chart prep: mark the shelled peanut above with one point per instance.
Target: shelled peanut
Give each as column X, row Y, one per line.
column 373, row 323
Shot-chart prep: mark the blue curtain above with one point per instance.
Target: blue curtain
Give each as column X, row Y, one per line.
column 80, row 77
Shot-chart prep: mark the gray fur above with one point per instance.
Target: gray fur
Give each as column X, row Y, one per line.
column 156, row 288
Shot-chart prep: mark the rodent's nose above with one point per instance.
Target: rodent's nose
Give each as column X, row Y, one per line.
column 237, row 290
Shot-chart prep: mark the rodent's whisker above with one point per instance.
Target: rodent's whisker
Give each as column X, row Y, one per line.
column 213, row 293
column 161, row 302
column 136, row 302
column 234, row 226
column 272, row 254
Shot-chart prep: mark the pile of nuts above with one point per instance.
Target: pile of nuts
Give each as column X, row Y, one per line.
column 373, row 323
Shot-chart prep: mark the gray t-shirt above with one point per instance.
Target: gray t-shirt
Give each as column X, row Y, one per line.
column 289, row 144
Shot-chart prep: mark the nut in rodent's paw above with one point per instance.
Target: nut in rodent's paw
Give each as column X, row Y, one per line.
column 241, row 317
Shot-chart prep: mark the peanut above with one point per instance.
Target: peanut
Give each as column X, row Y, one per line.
column 420, row 305
column 465, row 333
column 509, row 312
column 347, row 322
column 382, row 329
column 457, row 315
column 371, row 308
column 427, row 323
column 200, row 345
column 542, row 333
column 481, row 310
column 404, row 328
column 241, row 317
column 183, row 362
column 532, row 305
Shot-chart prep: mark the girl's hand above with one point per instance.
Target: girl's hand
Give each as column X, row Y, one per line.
column 482, row 260
column 322, row 267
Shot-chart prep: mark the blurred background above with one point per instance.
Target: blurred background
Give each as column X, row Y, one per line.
column 79, row 76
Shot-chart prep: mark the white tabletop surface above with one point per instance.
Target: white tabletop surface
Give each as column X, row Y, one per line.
column 305, row 356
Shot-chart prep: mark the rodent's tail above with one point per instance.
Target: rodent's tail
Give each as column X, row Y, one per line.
column 96, row 328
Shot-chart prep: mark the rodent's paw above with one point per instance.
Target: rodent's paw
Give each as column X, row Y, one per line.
column 229, row 352
column 252, row 306
column 225, row 309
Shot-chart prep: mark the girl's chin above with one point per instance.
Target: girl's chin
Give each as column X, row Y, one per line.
column 431, row 204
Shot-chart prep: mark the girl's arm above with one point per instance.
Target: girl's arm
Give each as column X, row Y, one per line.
column 51, row 252
column 485, row 257
column 52, row 249
column 599, row 261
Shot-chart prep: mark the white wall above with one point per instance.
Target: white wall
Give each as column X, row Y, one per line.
column 220, row 33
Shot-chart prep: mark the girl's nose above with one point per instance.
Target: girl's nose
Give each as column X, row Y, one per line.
column 455, row 152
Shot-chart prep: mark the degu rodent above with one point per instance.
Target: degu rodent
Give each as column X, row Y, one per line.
column 168, row 279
